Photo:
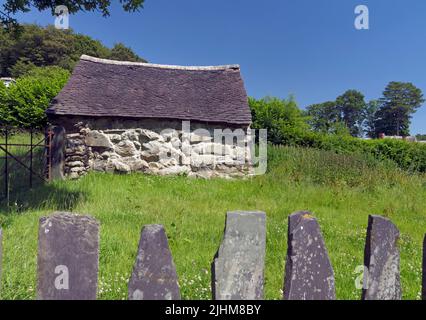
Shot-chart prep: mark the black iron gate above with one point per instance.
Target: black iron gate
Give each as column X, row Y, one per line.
column 24, row 159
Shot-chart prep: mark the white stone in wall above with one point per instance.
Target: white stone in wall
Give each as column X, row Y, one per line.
column 75, row 164
column 115, row 165
column 152, row 135
column 135, row 163
column 201, row 138
column 131, row 134
column 98, row 139
column 125, row 148
column 115, row 138
column 211, row 148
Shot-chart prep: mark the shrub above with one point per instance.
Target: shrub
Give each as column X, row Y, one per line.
column 24, row 103
column 287, row 126
column 278, row 116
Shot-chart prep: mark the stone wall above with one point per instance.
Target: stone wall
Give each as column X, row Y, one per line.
column 155, row 151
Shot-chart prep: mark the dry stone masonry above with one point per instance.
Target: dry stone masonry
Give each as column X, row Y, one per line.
column 238, row 268
column 160, row 152
column 154, row 275
column 382, row 260
column 308, row 273
column 68, row 257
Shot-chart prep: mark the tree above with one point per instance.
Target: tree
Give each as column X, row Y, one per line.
column 121, row 52
column 11, row 7
column 399, row 102
column 323, row 117
column 370, row 115
column 37, row 46
column 22, row 67
column 351, row 105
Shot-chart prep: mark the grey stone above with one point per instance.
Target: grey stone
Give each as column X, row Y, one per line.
column 73, row 175
column 174, row 170
column 68, row 257
column 77, row 169
column 125, row 148
column 135, row 163
column 154, row 274
column 115, row 165
column 151, row 135
column 169, row 162
column 238, row 267
column 381, row 259
column 309, row 274
column 98, row 139
column 57, row 154
column 130, row 134
column 114, row 137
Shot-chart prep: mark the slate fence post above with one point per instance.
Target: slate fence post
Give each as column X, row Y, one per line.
column 308, row 272
column 154, row 274
column 55, row 153
column 68, row 260
column 381, row 260
column 68, row 257
column 238, row 267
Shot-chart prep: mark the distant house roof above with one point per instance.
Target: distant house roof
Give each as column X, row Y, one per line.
column 100, row 87
column 7, row 81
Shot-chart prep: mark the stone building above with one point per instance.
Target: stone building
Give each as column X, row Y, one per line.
column 137, row 117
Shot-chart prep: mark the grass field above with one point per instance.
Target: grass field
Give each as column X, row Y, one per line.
column 340, row 190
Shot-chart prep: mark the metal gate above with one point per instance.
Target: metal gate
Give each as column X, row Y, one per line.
column 24, row 159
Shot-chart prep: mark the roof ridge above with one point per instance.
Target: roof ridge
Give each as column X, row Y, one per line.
column 160, row 66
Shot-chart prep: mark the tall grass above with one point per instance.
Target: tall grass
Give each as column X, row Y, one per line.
column 340, row 190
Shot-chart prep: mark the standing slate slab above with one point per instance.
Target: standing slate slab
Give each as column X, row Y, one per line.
column 57, row 154
column 154, row 274
column 68, row 257
column 381, row 259
column 238, row 267
column 424, row 270
column 308, row 272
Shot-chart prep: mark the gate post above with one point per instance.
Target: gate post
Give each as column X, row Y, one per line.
column 55, row 145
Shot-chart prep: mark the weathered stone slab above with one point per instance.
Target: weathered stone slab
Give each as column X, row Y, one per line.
column 238, row 267
column 424, row 270
column 68, row 257
column 154, row 274
column 57, row 154
column 309, row 274
column 98, row 139
column 381, row 258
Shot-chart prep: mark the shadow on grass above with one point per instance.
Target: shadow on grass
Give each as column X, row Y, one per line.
column 26, row 192
column 42, row 197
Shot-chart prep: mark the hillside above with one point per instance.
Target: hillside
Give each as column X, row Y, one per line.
column 31, row 45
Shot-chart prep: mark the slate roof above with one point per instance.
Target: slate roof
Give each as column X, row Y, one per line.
column 100, row 87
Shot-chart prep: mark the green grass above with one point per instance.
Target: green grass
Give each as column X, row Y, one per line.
column 340, row 190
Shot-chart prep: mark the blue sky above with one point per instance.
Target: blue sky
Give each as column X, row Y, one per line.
column 309, row 48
